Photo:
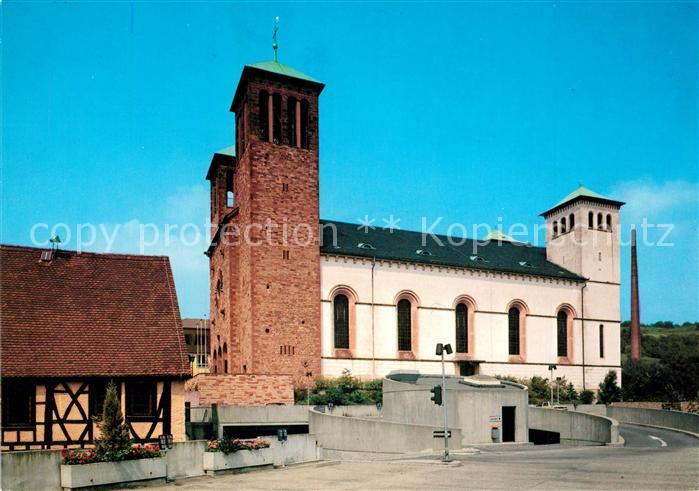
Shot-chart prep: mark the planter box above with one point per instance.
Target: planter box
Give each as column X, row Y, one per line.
column 219, row 461
column 101, row 473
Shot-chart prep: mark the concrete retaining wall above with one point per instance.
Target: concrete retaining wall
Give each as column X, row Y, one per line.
column 655, row 417
column 36, row 469
column 372, row 435
column 575, row 428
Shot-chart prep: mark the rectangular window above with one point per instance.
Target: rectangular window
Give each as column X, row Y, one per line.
column 97, row 391
column 18, row 403
column 141, row 398
column 601, row 341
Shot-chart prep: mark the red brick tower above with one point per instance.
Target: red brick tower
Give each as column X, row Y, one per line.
column 264, row 256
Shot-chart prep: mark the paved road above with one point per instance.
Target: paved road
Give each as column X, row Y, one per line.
column 645, row 437
column 643, row 464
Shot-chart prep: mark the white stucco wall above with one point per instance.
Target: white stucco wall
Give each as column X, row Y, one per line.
column 437, row 290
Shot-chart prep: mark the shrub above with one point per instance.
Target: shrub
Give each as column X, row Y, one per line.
column 609, row 391
column 114, row 442
column 345, row 390
column 587, row 396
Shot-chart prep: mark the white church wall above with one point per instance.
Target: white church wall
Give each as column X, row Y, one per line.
column 437, row 290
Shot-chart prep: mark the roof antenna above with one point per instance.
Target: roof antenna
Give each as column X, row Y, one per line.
column 275, row 46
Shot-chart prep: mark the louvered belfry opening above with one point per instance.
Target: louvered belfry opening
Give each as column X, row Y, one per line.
column 404, row 325
column 341, row 316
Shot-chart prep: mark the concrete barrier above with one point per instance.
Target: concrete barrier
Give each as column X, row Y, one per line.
column 184, row 459
column 35, row 469
column 656, row 417
column 40, row 469
column 335, row 432
column 576, row 428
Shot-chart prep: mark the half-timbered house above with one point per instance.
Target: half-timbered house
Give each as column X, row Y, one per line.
column 70, row 323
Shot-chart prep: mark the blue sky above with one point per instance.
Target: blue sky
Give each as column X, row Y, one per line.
column 474, row 112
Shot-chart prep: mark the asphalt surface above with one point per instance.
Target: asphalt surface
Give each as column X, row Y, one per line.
column 644, row 463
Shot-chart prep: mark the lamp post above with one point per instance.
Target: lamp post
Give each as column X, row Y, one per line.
column 558, row 390
column 441, row 349
column 551, row 369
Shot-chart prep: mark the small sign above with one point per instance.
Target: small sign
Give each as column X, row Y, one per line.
column 440, row 434
column 495, row 419
column 282, row 434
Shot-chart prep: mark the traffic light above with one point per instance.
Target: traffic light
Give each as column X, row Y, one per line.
column 436, row 394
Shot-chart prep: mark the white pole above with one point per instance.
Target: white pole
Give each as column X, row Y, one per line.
column 444, row 401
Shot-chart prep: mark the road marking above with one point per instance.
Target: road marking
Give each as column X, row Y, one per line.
column 662, row 442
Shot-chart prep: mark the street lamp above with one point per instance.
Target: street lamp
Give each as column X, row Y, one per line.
column 441, row 349
column 551, row 369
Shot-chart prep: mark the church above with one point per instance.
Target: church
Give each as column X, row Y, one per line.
column 296, row 296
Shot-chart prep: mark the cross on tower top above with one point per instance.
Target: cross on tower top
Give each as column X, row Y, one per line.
column 275, row 46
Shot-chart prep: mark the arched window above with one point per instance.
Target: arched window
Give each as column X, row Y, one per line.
column 562, row 333
column 571, row 221
column 291, row 120
column 563, row 225
column 461, row 328
column 230, row 199
column 263, row 115
column 304, row 124
column 341, row 321
column 513, row 331
column 609, row 222
column 590, row 220
column 225, row 366
column 599, row 221
column 555, row 228
column 277, row 118
column 404, row 325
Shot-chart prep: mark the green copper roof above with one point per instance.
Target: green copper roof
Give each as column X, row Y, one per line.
column 230, row 151
column 578, row 193
column 581, row 193
column 278, row 68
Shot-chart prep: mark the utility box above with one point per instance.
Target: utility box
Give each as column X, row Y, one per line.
column 495, row 434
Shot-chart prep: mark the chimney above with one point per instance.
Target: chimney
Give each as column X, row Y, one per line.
column 635, row 310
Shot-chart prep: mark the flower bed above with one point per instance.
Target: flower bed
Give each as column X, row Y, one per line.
column 84, row 468
column 229, row 454
column 78, row 457
column 227, row 445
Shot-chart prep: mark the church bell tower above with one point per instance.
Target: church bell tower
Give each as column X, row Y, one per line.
column 264, row 255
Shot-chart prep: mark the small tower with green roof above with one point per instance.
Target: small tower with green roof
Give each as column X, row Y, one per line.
column 582, row 235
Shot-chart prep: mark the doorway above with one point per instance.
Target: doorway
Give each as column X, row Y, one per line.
column 508, row 423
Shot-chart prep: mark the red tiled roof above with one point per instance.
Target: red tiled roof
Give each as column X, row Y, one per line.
column 87, row 314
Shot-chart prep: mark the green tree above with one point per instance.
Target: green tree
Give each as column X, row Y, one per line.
column 587, row 396
column 114, row 442
column 609, row 390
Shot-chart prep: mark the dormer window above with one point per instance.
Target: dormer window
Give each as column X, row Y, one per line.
column 478, row 259
column 365, row 245
column 526, row 264
column 423, row 252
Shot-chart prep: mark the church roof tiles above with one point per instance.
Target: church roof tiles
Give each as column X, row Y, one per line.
column 504, row 256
